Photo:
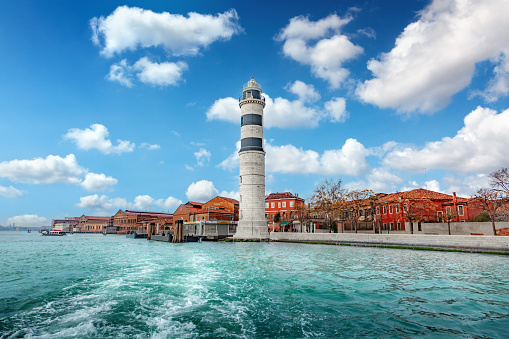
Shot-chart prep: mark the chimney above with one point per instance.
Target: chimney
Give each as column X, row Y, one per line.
column 297, row 195
column 454, row 195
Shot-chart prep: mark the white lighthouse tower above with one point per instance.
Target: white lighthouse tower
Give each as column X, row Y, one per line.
column 252, row 221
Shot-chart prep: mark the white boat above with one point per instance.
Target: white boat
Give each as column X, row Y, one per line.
column 53, row 233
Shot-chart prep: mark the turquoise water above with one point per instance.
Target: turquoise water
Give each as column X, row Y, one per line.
column 86, row 286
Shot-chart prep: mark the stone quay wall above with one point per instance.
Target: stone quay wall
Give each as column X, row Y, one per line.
column 475, row 243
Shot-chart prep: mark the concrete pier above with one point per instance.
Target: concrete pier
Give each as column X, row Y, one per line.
column 473, row 243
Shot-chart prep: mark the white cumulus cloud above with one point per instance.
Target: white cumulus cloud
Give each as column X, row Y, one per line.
column 202, row 157
column 350, row 159
column 201, row 191
column 481, row 145
column 283, row 113
column 10, row 192
column 336, row 108
column 435, row 56
column 320, row 45
column 379, row 180
column 159, row 74
column 305, row 92
column 98, row 182
column 150, row 146
column 141, row 202
column 129, row 28
column 28, row 220
column 121, row 73
column 49, row 170
column 95, row 137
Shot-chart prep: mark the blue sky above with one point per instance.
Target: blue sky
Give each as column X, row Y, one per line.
column 134, row 105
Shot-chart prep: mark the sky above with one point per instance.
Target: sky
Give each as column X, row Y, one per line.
column 108, row 105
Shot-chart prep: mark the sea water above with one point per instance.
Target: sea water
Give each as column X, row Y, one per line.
column 87, row 286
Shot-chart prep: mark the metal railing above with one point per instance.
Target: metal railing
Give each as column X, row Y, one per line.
column 242, row 98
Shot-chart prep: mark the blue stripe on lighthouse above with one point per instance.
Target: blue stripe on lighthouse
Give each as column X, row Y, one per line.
column 251, row 144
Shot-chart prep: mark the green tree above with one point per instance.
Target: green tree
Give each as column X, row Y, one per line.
column 482, row 217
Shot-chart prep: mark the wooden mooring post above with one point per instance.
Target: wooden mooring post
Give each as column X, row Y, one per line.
column 149, row 231
column 178, row 233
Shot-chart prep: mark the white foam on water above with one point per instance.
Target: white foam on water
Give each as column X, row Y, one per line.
column 86, row 329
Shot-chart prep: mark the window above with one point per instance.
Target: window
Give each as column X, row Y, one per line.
column 390, row 209
column 291, row 203
column 272, row 205
column 405, row 207
column 284, row 204
column 399, row 226
column 448, row 210
column 384, row 209
column 266, row 205
column 279, row 205
column 377, row 210
column 397, row 208
column 460, row 210
column 385, row 226
column 392, row 226
column 440, row 216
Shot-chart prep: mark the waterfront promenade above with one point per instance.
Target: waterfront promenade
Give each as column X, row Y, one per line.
column 473, row 243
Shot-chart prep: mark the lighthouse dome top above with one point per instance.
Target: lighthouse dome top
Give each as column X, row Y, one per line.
column 252, row 83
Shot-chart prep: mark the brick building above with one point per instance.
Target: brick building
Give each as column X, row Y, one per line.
column 187, row 212
column 93, row 224
column 129, row 220
column 219, row 208
column 421, row 205
column 290, row 207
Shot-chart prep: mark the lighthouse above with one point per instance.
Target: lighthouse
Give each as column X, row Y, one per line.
column 252, row 221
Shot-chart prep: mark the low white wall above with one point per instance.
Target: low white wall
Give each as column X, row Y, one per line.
column 457, row 228
column 463, row 242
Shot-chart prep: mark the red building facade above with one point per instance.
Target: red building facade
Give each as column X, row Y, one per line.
column 421, row 205
column 289, row 207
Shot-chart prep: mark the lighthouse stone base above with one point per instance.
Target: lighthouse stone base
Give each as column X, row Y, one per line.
column 252, row 230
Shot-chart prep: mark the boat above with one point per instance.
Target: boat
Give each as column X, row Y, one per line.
column 134, row 235
column 53, row 233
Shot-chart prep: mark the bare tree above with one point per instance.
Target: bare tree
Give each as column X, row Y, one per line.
column 301, row 213
column 449, row 216
column 418, row 210
column 328, row 199
column 499, row 180
column 491, row 200
column 356, row 201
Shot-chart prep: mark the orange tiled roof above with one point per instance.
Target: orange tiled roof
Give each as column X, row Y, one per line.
column 284, row 195
column 94, row 217
column 152, row 214
column 233, row 201
column 419, row 193
column 193, row 207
